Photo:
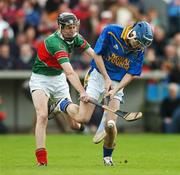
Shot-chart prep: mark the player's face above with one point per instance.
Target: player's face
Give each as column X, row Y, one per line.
column 69, row 31
column 134, row 43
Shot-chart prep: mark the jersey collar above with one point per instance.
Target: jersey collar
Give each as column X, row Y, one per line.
column 125, row 32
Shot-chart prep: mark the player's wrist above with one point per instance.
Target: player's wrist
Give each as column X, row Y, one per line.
column 116, row 89
column 82, row 92
column 106, row 77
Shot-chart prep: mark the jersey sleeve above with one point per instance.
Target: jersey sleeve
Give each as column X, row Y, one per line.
column 136, row 66
column 102, row 42
column 62, row 56
column 59, row 51
column 81, row 43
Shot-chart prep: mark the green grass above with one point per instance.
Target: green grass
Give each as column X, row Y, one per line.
column 147, row 154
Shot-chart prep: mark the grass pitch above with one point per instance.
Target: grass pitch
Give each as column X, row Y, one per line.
column 146, row 154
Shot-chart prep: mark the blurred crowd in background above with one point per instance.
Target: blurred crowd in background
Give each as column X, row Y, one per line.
column 25, row 23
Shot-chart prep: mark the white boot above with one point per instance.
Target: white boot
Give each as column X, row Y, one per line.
column 108, row 161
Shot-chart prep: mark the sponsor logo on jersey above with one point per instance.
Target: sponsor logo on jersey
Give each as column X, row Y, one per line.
column 119, row 61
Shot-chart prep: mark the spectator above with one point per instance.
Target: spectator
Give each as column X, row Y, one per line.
column 94, row 10
column 4, row 26
column 160, row 41
column 31, row 37
column 25, row 60
column 174, row 75
column 151, row 62
column 168, row 107
column 124, row 13
column 82, row 11
column 20, row 24
column 10, row 42
column 173, row 12
column 170, row 58
column 6, row 60
column 153, row 17
column 176, row 42
column 170, row 53
column 19, row 41
column 8, row 9
column 52, row 5
column 46, row 26
column 106, row 18
column 64, row 7
column 32, row 14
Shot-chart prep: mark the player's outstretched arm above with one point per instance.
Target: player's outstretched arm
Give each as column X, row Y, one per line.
column 123, row 83
column 100, row 64
column 74, row 80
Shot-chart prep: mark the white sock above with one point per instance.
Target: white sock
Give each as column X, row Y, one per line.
column 102, row 124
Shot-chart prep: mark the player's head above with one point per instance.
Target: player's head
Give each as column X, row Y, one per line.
column 140, row 36
column 69, row 25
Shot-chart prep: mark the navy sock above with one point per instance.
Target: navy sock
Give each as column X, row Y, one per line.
column 63, row 104
column 107, row 152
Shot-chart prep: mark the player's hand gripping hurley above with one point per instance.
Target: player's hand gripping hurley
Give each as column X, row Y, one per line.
column 128, row 116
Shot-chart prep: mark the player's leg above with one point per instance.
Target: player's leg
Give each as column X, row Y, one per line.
column 100, row 133
column 94, row 87
column 40, row 91
column 111, row 133
column 40, row 100
column 73, row 124
column 83, row 112
column 80, row 114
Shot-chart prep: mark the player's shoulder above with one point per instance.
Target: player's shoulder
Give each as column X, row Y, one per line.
column 53, row 37
column 54, row 41
column 113, row 29
column 79, row 37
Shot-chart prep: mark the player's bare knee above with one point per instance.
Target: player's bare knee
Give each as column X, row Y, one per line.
column 83, row 118
column 42, row 119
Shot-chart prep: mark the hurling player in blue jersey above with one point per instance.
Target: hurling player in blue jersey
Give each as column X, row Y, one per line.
column 121, row 51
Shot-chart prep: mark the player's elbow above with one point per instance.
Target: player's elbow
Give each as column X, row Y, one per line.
column 135, row 77
column 70, row 73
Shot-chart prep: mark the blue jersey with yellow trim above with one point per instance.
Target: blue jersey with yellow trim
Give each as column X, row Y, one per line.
column 117, row 57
